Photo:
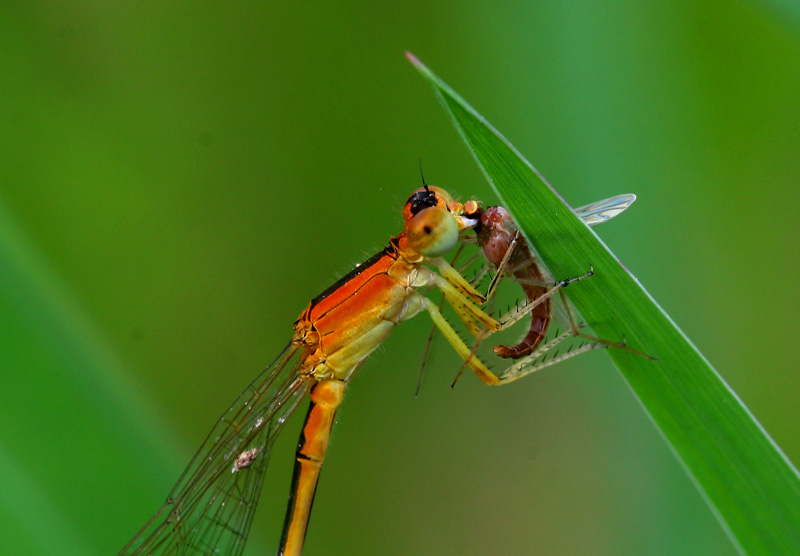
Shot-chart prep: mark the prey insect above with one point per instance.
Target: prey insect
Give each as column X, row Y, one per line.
column 210, row 509
column 507, row 252
column 506, row 249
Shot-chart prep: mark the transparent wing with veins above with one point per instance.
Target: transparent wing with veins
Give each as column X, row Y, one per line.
column 602, row 211
column 210, row 509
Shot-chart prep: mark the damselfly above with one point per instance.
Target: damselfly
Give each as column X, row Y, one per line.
column 210, row 509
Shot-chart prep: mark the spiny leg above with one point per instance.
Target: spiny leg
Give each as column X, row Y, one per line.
column 575, row 327
column 461, row 298
column 429, row 342
column 475, row 347
column 427, row 351
column 467, row 354
column 482, row 325
column 452, row 276
column 470, row 314
column 534, row 362
column 473, row 317
column 511, row 317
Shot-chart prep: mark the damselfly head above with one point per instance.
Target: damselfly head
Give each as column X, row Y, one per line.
column 467, row 215
column 425, row 197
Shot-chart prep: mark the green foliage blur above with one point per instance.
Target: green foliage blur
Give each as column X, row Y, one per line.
column 178, row 180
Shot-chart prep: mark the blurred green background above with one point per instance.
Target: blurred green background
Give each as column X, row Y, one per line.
column 177, row 180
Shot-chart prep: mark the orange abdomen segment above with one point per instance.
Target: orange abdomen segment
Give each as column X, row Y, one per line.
column 326, row 396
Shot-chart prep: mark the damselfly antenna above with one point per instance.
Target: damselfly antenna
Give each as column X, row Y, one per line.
column 424, row 183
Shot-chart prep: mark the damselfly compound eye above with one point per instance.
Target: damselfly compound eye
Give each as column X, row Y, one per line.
column 425, row 197
column 432, row 232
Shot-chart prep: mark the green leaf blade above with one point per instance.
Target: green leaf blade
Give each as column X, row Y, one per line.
column 748, row 482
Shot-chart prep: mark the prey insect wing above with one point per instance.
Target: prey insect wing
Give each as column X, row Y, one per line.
column 210, row 509
column 603, row 211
